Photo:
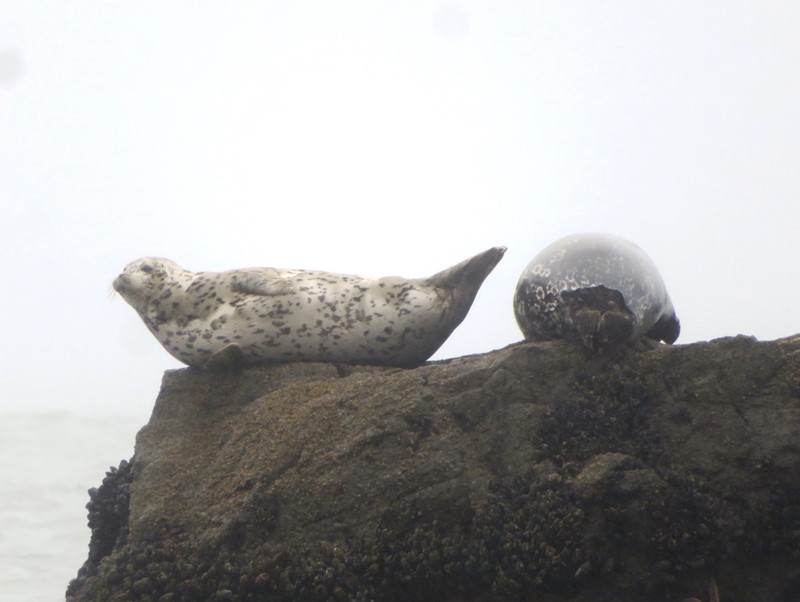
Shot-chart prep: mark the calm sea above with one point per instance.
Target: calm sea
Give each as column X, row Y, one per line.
column 48, row 461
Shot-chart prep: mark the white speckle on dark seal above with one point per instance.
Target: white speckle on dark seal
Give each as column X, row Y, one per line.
column 597, row 289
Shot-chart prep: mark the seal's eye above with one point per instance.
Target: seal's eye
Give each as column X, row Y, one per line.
column 147, row 268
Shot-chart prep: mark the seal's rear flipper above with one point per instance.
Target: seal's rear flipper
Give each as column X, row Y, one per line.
column 667, row 329
column 462, row 281
column 470, row 273
column 227, row 358
column 597, row 318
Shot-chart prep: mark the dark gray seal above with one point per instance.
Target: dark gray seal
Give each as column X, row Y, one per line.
column 597, row 289
column 262, row 315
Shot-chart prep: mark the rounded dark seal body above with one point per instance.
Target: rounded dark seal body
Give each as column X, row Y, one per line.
column 597, row 289
column 262, row 315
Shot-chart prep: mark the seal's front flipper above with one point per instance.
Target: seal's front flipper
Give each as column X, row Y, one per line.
column 257, row 282
column 597, row 318
column 227, row 358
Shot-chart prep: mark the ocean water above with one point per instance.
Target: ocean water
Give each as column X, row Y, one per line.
column 48, row 461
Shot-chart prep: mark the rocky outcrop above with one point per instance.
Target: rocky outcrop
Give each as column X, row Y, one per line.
column 529, row 473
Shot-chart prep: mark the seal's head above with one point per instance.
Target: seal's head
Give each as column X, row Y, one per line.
column 146, row 277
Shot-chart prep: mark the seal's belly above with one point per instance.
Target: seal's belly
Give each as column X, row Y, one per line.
column 359, row 323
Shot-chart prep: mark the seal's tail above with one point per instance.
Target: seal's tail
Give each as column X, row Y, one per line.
column 470, row 273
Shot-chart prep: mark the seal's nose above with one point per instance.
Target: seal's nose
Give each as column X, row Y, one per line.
column 119, row 282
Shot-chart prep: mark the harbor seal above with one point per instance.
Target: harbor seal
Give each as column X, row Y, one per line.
column 263, row 315
column 597, row 289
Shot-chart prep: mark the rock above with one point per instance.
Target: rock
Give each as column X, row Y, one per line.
column 533, row 472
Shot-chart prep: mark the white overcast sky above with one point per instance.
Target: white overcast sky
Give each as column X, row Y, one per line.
column 382, row 138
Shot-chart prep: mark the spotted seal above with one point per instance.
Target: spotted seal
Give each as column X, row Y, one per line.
column 597, row 289
column 262, row 315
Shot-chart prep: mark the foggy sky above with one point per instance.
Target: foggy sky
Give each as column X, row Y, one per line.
column 383, row 138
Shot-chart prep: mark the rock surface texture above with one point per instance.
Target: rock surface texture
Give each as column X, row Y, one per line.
column 529, row 473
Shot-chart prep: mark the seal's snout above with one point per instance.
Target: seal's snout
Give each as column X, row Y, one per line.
column 123, row 284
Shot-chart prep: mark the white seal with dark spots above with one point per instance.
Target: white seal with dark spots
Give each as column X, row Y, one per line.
column 597, row 289
column 263, row 315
